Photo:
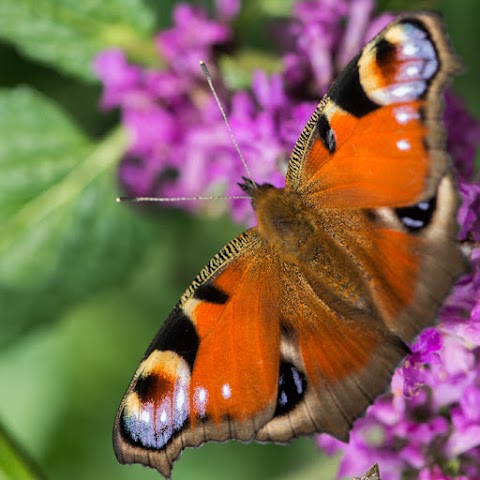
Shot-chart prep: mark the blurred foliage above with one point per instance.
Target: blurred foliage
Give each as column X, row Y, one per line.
column 66, row 34
column 85, row 282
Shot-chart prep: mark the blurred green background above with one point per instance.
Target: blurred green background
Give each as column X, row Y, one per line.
column 84, row 282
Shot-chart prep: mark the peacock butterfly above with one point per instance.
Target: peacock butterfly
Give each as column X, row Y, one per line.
column 296, row 325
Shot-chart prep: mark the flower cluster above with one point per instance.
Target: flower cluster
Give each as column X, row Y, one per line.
column 326, row 35
column 180, row 146
column 171, row 118
column 429, row 426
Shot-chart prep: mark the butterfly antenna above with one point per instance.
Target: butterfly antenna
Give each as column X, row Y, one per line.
column 176, row 199
column 225, row 119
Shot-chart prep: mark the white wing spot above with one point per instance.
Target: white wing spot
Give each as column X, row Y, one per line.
column 413, row 70
column 226, row 391
column 404, row 114
column 163, row 416
column 409, row 49
column 145, row 416
column 200, row 398
column 180, row 399
column 403, row 145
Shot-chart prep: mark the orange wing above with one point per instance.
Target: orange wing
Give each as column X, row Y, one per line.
column 376, row 139
column 209, row 374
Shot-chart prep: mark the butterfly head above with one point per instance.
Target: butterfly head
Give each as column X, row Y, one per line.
column 251, row 188
column 254, row 190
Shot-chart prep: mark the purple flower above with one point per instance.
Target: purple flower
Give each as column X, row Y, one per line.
column 178, row 137
column 466, row 420
column 191, row 39
column 121, row 79
column 435, row 473
column 463, row 136
column 327, row 34
column 180, row 145
column 227, row 9
column 469, row 214
column 424, row 351
column 431, row 419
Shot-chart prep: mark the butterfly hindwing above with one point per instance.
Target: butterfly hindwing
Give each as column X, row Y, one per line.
column 328, row 380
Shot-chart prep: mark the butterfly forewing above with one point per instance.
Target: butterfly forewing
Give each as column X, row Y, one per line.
column 376, row 139
column 209, row 374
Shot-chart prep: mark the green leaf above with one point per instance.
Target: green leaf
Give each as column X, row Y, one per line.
column 62, row 235
column 14, row 463
column 39, row 146
column 67, row 34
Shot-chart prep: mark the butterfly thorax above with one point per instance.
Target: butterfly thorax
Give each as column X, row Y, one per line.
column 284, row 221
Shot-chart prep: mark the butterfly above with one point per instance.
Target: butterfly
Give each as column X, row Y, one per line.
column 296, row 325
